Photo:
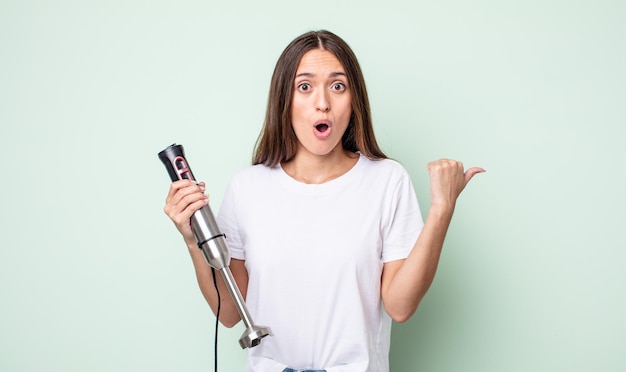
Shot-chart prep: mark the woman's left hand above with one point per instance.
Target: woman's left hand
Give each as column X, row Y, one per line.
column 447, row 179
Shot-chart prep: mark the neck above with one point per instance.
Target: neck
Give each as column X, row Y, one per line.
column 314, row 169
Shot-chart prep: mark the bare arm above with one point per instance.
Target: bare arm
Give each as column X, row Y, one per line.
column 405, row 282
column 228, row 312
column 183, row 200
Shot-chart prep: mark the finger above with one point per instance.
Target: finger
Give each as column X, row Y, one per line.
column 441, row 165
column 181, row 195
column 472, row 172
column 180, row 189
column 183, row 199
column 183, row 216
column 181, row 213
column 178, row 185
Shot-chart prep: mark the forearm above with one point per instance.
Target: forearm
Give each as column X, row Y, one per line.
column 229, row 315
column 411, row 278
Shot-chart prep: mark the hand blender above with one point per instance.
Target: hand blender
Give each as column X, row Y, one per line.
column 213, row 245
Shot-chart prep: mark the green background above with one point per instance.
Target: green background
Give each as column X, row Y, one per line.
column 94, row 277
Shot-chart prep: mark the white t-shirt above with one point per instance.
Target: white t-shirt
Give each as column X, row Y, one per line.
column 314, row 255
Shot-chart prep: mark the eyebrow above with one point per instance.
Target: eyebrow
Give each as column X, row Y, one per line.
column 310, row 74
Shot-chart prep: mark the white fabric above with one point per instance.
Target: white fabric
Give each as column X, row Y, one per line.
column 314, row 254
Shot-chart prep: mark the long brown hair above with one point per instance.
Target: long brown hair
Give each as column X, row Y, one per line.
column 277, row 141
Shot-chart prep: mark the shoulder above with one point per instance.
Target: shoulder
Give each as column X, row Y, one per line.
column 388, row 168
column 253, row 175
column 254, row 171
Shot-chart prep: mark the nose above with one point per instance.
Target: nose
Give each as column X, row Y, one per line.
column 322, row 103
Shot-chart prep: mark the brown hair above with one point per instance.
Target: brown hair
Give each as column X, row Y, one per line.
column 277, row 141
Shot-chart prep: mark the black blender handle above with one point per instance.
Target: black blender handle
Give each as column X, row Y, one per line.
column 173, row 157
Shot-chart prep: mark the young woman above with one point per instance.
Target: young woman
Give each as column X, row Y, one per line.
column 325, row 232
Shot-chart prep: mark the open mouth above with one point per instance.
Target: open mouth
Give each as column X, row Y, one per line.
column 322, row 127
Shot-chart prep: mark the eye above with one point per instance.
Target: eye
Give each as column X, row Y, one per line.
column 338, row 87
column 304, row 87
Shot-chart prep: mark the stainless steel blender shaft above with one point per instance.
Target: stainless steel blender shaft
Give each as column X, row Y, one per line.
column 217, row 255
column 213, row 245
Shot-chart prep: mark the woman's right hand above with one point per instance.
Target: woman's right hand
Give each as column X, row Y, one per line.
column 183, row 200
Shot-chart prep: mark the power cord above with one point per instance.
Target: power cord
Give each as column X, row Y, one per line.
column 217, row 318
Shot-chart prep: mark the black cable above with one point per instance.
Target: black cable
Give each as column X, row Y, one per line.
column 217, row 318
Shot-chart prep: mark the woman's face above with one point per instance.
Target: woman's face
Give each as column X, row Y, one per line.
column 322, row 103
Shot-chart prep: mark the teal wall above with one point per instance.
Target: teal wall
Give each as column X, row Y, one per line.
column 94, row 277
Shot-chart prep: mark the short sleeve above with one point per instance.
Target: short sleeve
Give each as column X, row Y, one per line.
column 228, row 222
column 402, row 220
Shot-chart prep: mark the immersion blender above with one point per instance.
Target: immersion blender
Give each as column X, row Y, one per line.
column 213, row 245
